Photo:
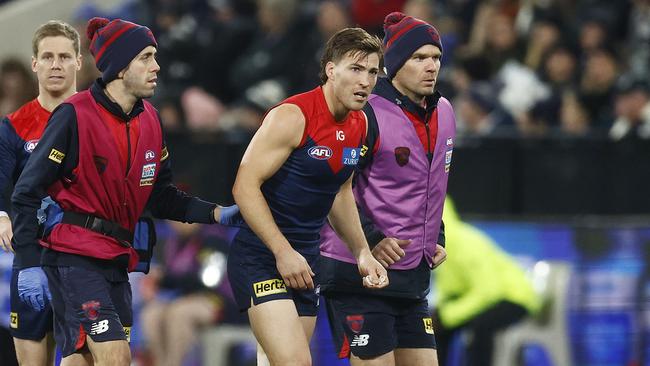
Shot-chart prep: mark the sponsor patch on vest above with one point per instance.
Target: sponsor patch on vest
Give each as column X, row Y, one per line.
column 351, row 156
column 320, row 152
column 30, row 145
column 402, row 155
column 149, row 170
column 56, row 156
column 269, row 287
column 428, row 325
column 448, row 159
column 148, row 173
column 450, row 149
column 149, row 155
column 13, row 320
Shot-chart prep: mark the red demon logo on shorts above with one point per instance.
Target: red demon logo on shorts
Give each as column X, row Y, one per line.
column 355, row 322
column 91, row 308
column 402, row 155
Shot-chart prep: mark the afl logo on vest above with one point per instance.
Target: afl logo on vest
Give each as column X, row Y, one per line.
column 149, row 155
column 30, row 145
column 320, row 152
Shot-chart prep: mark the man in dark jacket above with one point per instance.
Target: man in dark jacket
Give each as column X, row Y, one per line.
column 102, row 159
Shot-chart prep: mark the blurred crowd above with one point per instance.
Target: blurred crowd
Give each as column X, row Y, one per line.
column 515, row 68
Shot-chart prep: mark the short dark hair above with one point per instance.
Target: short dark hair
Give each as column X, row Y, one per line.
column 355, row 40
column 55, row 28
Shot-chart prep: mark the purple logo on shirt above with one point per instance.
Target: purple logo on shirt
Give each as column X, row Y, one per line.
column 320, row 152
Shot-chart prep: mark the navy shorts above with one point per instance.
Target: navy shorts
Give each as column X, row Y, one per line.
column 370, row 326
column 85, row 303
column 25, row 322
column 254, row 276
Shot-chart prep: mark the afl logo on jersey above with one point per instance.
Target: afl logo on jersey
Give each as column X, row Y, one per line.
column 320, row 152
column 30, row 145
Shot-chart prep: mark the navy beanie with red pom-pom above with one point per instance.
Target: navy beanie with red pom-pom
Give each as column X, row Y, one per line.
column 403, row 36
column 115, row 43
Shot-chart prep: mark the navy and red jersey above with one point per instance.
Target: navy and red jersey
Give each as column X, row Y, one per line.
column 45, row 169
column 19, row 134
column 300, row 194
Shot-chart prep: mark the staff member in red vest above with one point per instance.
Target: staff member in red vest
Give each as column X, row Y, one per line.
column 102, row 159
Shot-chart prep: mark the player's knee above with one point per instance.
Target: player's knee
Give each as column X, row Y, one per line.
column 119, row 359
column 118, row 355
column 303, row 362
column 296, row 359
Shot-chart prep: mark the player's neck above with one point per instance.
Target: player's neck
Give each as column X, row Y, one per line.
column 50, row 101
column 115, row 91
column 336, row 108
column 415, row 98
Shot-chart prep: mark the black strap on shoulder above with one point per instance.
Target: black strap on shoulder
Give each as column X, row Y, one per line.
column 98, row 225
column 371, row 138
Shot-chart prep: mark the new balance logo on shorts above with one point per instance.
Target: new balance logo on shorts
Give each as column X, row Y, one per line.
column 99, row 327
column 269, row 287
column 360, row 340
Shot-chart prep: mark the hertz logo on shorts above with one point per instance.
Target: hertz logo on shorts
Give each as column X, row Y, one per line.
column 127, row 332
column 56, row 156
column 428, row 325
column 13, row 320
column 269, row 287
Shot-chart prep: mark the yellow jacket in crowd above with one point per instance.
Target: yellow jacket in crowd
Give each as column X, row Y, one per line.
column 476, row 275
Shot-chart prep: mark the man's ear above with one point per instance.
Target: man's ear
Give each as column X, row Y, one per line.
column 329, row 70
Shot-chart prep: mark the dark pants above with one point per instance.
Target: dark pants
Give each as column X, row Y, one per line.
column 483, row 328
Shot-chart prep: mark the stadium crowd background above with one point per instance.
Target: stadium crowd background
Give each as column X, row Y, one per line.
column 513, row 68
column 552, row 100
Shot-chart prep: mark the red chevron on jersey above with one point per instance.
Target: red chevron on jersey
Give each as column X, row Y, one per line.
column 30, row 120
column 336, row 142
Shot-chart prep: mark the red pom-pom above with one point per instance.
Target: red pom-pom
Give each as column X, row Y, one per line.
column 94, row 25
column 393, row 18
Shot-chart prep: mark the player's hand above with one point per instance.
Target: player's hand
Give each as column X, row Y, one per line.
column 228, row 215
column 33, row 288
column 373, row 273
column 389, row 250
column 439, row 256
column 6, row 234
column 295, row 270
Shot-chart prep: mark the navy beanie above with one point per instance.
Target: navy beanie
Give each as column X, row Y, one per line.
column 115, row 43
column 403, row 36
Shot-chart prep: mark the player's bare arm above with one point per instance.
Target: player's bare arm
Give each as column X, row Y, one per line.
column 344, row 219
column 279, row 135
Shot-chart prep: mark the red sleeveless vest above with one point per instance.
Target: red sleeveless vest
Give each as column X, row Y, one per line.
column 101, row 186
